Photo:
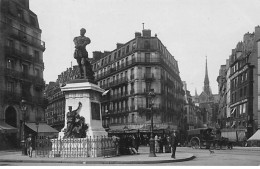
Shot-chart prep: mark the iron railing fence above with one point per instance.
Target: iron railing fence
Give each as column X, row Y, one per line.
column 76, row 147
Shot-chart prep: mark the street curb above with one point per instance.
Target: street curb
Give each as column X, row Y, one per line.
column 100, row 162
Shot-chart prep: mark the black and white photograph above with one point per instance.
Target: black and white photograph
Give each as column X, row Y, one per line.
column 130, row 83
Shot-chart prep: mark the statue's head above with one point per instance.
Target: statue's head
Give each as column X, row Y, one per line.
column 82, row 31
column 70, row 108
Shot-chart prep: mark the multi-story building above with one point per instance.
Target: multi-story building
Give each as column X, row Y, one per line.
column 242, row 87
column 189, row 109
column 55, row 111
column 21, row 65
column 130, row 72
column 222, row 91
column 243, row 84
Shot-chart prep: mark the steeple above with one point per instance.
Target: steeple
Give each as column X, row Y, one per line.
column 206, row 80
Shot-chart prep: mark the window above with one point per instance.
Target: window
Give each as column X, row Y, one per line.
column 148, row 71
column 147, row 44
column 37, row 72
column 36, row 56
column 24, row 49
column 134, row 45
column 245, row 92
column 118, row 53
column 8, row 21
column 33, row 21
column 10, row 43
column 10, row 64
column 147, row 57
column 10, row 86
column 123, row 51
column 25, row 68
column 133, row 118
column 20, row 13
column 115, row 56
column 109, row 58
column 127, row 48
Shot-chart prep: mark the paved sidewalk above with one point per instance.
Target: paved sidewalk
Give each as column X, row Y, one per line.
column 142, row 158
column 247, row 148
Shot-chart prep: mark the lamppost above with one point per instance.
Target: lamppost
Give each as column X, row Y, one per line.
column 23, row 109
column 151, row 96
column 37, row 127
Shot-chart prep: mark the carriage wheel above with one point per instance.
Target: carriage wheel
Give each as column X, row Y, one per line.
column 195, row 143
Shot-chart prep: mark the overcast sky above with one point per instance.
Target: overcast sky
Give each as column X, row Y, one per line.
column 190, row 29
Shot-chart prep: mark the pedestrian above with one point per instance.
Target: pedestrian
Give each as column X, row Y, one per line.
column 29, row 145
column 167, row 144
column 138, row 142
column 174, row 143
column 156, row 140
column 160, row 140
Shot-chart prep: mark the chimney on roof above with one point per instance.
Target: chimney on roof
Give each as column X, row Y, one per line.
column 97, row 55
column 138, row 34
column 257, row 33
column 118, row 45
column 106, row 53
column 146, row 33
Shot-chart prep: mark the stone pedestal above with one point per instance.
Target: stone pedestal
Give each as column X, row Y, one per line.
column 89, row 95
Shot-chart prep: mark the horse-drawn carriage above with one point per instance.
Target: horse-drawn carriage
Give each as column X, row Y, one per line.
column 206, row 138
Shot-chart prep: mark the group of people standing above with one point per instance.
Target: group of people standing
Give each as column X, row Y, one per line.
column 129, row 144
column 166, row 143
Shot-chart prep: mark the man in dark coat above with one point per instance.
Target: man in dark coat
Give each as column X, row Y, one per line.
column 173, row 143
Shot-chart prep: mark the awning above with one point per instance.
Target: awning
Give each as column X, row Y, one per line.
column 256, row 136
column 6, row 128
column 43, row 128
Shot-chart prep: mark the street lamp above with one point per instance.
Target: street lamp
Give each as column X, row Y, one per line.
column 23, row 109
column 151, row 96
column 37, row 127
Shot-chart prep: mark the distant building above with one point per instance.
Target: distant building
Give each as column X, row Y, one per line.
column 189, row 109
column 21, row 68
column 56, row 111
column 207, row 101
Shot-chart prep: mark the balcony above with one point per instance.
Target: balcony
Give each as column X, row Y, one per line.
column 23, row 36
column 132, row 77
column 148, row 76
column 132, row 108
column 11, row 52
column 9, row 96
column 132, row 91
column 24, row 76
column 123, row 80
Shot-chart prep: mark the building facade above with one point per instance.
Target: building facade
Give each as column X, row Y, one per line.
column 243, row 77
column 189, row 109
column 56, row 111
column 129, row 73
column 21, row 65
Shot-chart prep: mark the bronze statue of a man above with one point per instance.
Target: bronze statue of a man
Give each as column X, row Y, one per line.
column 72, row 116
column 81, row 55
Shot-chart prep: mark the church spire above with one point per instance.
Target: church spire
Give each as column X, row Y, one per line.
column 206, row 80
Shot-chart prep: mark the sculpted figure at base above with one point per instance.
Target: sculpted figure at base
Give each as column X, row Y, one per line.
column 76, row 126
column 81, row 55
